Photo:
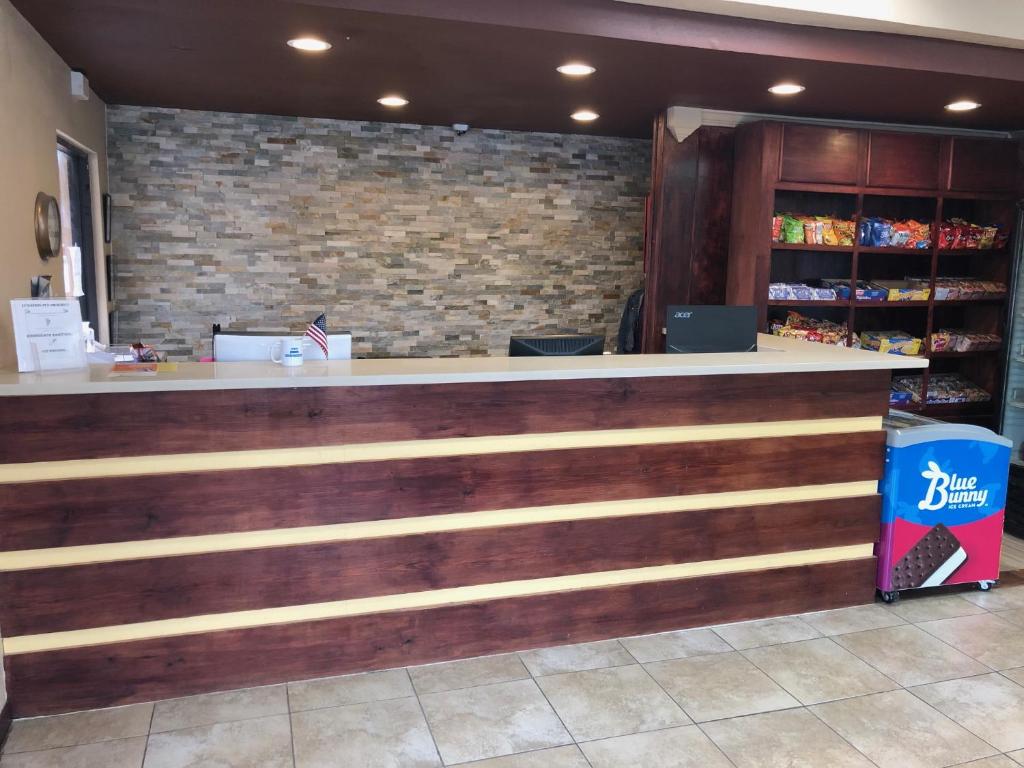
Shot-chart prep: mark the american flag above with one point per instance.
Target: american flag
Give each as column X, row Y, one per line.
column 317, row 331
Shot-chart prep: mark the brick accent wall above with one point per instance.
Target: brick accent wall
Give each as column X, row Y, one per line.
column 417, row 241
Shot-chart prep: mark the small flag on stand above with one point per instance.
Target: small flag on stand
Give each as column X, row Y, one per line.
column 317, row 331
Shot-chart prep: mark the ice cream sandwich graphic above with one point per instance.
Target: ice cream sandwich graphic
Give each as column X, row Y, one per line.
column 931, row 561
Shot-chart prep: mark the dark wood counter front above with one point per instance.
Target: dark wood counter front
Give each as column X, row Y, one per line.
column 158, row 544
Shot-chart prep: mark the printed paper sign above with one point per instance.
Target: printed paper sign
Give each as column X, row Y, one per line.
column 48, row 334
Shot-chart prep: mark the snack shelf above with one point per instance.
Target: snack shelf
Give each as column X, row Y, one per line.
column 981, row 300
column 897, row 251
column 973, row 252
column 901, row 304
column 783, row 168
column 808, row 303
column 968, row 353
column 780, row 246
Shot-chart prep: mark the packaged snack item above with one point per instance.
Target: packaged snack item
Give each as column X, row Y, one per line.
column 891, row 342
column 988, row 237
column 792, row 229
column 798, row 326
column 970, row 341
column 776, row 228
column 946, row 388
column 865, row 291
column 898, row 398
column 809, row 232
column 904, row 290
column 828, row 233
column 800, row 292
column 845, row 231
column 946, row 235
column 941, row 341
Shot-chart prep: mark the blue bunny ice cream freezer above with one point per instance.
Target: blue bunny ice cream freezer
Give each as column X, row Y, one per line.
column 943, row 497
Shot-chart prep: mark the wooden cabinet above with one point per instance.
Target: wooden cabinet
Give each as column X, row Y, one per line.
column 687, row 244
column 852, row 174
column 813, row 154
column 903, row 160
column 984, row 165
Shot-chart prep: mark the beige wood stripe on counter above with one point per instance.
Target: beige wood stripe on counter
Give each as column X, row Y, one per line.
column 410, row 601
column 55, row 557
column 417, row 449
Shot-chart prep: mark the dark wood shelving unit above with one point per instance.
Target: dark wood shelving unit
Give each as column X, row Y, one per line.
column 852, row 173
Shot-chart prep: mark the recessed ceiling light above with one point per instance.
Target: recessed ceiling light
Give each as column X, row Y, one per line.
column 962, row 106
column 786, row 89
column 585, row 115
column 576, row 69
column 310, row 44
column 392, row 101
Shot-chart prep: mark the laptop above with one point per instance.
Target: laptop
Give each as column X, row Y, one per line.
column 696, row 328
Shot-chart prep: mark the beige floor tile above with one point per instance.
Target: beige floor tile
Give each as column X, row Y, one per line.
column 559, row 757
column 79, row 728
column 909, row 655
column 600, row 703
column 998, row 599
column 492, row 721
column 791, row 739
column 855, row 619
column 1017, row 675
column 999, row 761
column 988, row 638
column 225, row 707
column 685, row 747
column 122, row 753
column 1018, row 756
column 1016, row 616
column 674, row 645
column 467, row 673
column 576, row 658
column 815, row 671
column 261, row 743
column 898, row 730
column 933, row 607
column 376, row 734
column 349, row 689
column 719, row 686
column 989, row 706
column 754, row 634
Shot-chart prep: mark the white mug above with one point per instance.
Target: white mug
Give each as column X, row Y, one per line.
column 288, row 352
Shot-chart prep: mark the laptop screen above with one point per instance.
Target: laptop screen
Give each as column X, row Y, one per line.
column 696, row 328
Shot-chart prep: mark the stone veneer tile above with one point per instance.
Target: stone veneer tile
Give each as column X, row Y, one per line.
column 417, row 241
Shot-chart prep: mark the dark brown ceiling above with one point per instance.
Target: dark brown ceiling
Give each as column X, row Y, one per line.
column 490, row 63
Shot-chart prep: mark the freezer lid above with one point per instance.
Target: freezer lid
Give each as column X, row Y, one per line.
column 910, row 429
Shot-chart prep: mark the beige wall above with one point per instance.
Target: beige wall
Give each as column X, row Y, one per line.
column 35, row 104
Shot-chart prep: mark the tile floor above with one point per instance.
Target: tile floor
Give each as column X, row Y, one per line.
column 926, row 683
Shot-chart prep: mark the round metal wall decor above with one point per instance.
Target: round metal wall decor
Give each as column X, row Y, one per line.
column 47, row 224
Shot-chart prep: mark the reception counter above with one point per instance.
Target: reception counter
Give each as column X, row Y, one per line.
column 234, row 524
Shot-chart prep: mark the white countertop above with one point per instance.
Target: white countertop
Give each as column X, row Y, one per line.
column 774, row 355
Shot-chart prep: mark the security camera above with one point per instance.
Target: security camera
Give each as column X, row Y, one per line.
column 461, row 129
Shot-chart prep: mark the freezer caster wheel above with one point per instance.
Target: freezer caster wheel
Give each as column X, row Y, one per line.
column 890, row 597
column 985, row 586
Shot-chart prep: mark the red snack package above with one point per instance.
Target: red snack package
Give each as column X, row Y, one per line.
column 946, row 235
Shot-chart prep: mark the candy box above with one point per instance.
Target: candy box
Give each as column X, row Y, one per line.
column 941, row 341
column 891, row 342
column 900, row 397
column 865, row 290
column 904, row 290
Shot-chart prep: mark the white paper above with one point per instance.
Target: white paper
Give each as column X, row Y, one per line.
column 76, row 284
column 48, row 334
